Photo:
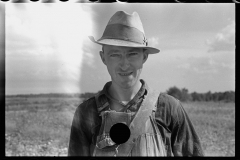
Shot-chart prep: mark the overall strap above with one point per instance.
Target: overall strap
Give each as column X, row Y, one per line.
column 101, row 105
column 136, row 126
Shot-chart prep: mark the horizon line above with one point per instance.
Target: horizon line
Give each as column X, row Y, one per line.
column 61, row 93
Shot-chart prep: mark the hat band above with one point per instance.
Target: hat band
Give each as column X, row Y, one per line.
column 123, row 32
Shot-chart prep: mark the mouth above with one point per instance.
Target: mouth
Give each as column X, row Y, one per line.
column 125, row 74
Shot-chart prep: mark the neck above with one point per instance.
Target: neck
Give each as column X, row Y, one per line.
column 122, row 94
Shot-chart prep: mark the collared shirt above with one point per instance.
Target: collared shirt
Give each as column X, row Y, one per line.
column 178, row 133
column 131, row 106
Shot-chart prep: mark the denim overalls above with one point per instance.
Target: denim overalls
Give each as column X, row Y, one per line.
column 145, row 139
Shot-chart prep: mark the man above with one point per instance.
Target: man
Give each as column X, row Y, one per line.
column 154, row 124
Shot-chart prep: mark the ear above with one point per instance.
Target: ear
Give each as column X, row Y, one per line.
column 145, row 55
column 101, row 53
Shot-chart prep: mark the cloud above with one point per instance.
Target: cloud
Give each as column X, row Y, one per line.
column 153, row 41
column 200, row 67
column 88, row 57
column 224, row 40
column 49, row 35
column 205, row 65
column 184, row 66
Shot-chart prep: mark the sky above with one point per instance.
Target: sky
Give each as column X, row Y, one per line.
column 48, row 50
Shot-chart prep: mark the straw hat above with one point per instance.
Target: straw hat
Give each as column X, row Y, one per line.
column 126, row 30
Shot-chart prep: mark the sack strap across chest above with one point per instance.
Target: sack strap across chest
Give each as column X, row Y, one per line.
column 143, row 114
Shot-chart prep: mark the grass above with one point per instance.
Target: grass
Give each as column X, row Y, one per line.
column 215, row 124
column 40, row 126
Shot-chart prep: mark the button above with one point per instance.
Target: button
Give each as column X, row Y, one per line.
column 133, row 140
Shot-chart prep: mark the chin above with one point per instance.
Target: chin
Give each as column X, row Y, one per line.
column 128, row 84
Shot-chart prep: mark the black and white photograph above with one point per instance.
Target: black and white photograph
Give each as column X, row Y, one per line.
column 120, row 79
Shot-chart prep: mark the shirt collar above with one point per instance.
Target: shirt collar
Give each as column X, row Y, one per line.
column 103, row 102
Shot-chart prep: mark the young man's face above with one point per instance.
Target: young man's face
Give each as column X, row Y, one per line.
column 124, row 64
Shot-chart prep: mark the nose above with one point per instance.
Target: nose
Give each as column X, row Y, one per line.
column 124, row 64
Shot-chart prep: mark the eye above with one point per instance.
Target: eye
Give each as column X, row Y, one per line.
column 133, row 53
column 114, row 55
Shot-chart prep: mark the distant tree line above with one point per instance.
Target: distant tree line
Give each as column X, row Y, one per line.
column 56, row 95
column 183, row 95
column 87, row 95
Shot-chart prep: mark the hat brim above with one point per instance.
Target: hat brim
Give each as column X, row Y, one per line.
column 115, row 42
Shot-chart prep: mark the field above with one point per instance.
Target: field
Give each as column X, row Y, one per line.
column 215, row 124
column 40, row 125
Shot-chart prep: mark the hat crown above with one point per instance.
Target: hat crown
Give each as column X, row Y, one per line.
column 131, row 20
column 125, row 30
